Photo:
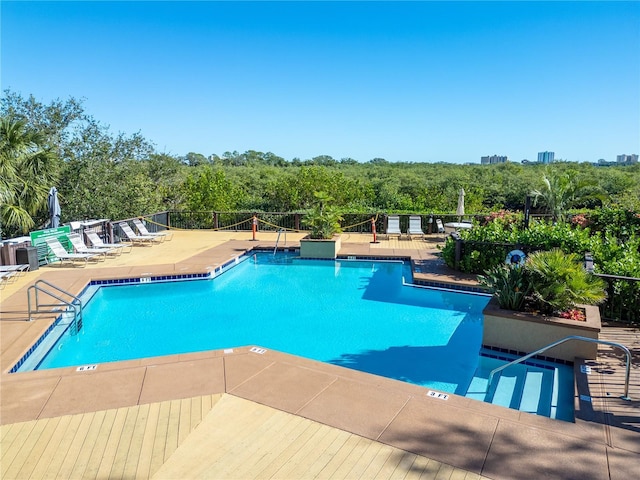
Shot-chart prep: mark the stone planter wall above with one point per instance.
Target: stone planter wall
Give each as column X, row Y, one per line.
column 312, row 248
column 526, row 333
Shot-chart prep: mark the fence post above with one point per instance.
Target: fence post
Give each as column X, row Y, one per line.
column 373, row 229
column 254, row 227
column 458, row 249
column 527, row 210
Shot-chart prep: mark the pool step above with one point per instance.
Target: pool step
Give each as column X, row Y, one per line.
column 522, row 387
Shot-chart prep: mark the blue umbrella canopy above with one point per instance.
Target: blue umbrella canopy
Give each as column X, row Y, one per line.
column 54, row 207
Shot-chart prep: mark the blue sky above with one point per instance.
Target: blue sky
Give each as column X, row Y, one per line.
column 404, row 81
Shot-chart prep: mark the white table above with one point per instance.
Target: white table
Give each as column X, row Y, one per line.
column 454, row 226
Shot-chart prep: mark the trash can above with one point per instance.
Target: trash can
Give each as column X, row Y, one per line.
column 27, row 255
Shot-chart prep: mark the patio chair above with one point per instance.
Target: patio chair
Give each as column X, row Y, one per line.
column 80, row 247
column 130, row 236
column 142, row 230
column 97, row 242
column 415, row 226
column 15, row 270
column 61, row 254
column 393, row 226
column 439, row 225
column 6, row 278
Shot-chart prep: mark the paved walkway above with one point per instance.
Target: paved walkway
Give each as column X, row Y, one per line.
column 369, row 416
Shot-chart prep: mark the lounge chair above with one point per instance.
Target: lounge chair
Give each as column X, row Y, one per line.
column 97, row 242
column 6, row 278
column 393, row 226
column 439, row 225
column 59, row 251
column 80, row 247
column 133, row 238
column 15, row 270
column 415, row 226
column 142, row 230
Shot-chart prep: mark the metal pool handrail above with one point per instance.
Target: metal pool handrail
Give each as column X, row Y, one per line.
column 75, row 304
column 566, row 339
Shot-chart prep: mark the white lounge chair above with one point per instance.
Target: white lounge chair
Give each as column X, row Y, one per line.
column 415, row 226
column 6, row 278
column 142, row 230
column 393, row 226
column 133, row 238
column 80, row 247
column 61, row 254
column 439, row 225
column 97, row 242
column 16, row 270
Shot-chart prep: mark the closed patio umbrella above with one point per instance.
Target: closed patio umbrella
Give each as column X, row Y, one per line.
column 54, row 207
column 460, row 209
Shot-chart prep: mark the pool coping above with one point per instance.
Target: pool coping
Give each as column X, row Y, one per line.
column 60, row 391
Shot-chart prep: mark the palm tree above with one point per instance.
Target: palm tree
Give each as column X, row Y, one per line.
column 27, row 170
column 562, row 191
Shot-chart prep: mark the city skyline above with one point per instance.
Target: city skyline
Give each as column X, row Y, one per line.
column 403, row 81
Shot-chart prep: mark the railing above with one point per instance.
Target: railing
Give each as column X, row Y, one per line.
column 566, row 339
column 623, row 299
column 273, row 221
column 623, row 293
column 75, row 304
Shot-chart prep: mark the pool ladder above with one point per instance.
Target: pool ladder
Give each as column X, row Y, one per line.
column 69, row 303
column 566, row 339
column 275, row 249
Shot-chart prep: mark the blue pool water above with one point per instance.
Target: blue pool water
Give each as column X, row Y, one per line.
column 357, row 314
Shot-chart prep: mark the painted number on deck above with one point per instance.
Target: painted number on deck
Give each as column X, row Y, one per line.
column 440, row 395
column 86, row 368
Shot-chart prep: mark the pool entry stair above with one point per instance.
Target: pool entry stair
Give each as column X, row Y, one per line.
column 69, row 306
column 582, row 339
column 541, row 390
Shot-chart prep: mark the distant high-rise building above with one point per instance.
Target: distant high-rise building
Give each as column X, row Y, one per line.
column 546, row 157
column 494, row 159
column 627, row 158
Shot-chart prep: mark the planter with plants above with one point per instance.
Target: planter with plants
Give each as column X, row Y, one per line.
column 549, row 297
column 323, row 222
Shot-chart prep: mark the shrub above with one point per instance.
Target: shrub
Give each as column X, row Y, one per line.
column 509, row 285
column 323, row 220
column 550, row 282
column 559, row 281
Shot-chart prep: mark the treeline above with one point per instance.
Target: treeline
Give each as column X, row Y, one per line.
column 103, row 175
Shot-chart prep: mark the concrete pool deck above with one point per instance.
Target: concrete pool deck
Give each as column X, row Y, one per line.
column 254, row 414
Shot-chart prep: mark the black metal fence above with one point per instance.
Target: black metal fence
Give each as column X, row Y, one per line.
column 623, row 293
column 623, row 299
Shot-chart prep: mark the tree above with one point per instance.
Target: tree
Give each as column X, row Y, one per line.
column 27, row 170
column 561, row 191
column 194, row 159
column 208, row 189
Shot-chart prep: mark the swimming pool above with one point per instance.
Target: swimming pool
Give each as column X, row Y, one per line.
column 357, row 314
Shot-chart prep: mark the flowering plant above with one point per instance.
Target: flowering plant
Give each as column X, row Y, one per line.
column 573, row 314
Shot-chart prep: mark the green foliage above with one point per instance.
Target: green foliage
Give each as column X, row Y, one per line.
column 620, row 222
column 564, row 190
column 560, row 282
column 88, row 153
column 28, row 169
column 323, row 220
column 550, row 282
column 207, row 188
column 506, row 233
column 97, row 189
column 509, row 284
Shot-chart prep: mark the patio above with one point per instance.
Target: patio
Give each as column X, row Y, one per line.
column 245, row 414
